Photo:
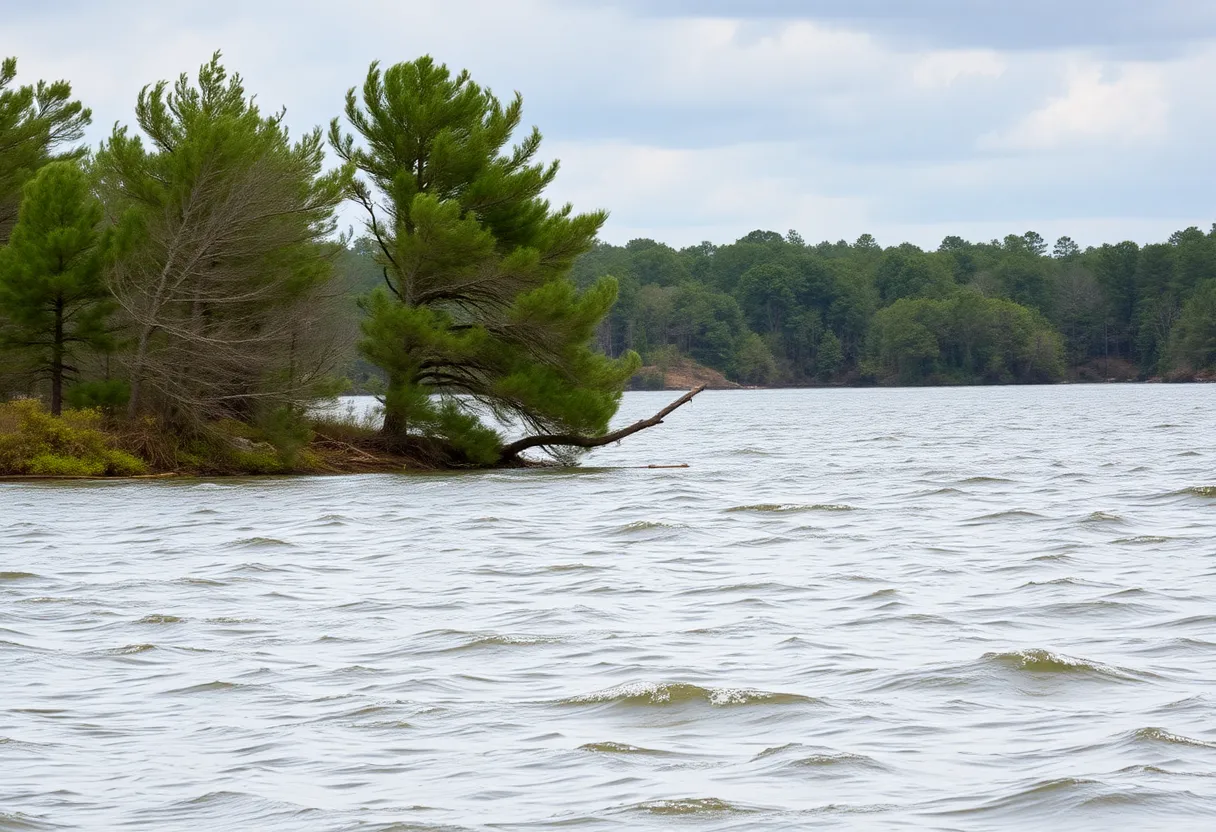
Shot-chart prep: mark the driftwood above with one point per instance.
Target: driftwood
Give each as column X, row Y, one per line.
column 510, row 451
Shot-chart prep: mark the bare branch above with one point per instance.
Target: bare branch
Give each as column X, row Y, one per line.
column 513, row 449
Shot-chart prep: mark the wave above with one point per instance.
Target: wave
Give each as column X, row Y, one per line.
column 1103, row 517
column 159, row 618
column 689, row 806
column 798, row 755
column 497, row 640
column 1054, row 795
column 1164, row 736
column 1012, row 514
column 16, row 576
column 678, row 693
column 938, row 492
column 572, row 567
column 649, row 525
column 21, row 822
column 792, row 507
column 258, row 543
column 617, row 748
column 1200, row 491
column 207, row 687
column 199, row 581
column 1044, row 661
column 1143, row 539
column 128, row 650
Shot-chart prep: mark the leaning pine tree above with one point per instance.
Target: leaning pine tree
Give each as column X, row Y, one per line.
column 478, row 314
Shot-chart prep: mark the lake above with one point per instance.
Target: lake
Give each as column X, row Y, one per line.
column 964, row 608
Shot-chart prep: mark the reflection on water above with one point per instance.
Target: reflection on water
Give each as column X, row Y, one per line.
column 916, row 609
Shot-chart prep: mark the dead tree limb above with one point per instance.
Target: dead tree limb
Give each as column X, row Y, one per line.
column 510, row 451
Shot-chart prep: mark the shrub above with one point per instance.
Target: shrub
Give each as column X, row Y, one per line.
column 72, row 445
column 108, row 396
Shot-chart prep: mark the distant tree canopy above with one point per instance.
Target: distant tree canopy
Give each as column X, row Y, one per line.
column 772, row 309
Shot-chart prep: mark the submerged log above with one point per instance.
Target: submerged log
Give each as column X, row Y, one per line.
column 512, row 450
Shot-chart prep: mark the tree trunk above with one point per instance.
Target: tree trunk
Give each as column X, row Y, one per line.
column 395, row 425
column 137, row 369
column 57, row 360
column 512, row 450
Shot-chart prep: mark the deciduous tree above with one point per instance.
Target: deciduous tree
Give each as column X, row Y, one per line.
column 225, row 286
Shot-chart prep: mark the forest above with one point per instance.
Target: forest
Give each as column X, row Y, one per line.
column 181, row 295
column 770, row 309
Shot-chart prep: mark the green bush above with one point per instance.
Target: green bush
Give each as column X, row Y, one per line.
column 72, row 445
column 287, row 429
column 109, row 396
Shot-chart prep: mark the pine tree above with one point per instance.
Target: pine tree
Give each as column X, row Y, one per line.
column 478, row 306
column 36, row 122
column 232, row 228
column 51, row 284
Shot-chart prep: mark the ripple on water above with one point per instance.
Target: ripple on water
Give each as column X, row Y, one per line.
column 783, row 508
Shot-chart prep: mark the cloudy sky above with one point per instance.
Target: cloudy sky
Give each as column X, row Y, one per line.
column 700, row 120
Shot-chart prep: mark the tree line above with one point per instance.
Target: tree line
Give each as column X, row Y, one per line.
column 773, row 309
column 189, row 271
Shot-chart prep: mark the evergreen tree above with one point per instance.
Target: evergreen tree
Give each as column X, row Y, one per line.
column 36, row 121
column 1193, row 345
column 51, row 284
column 830, row 356
column 478, row 304
column 233, row 225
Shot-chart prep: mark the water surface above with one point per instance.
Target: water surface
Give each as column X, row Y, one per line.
column 856, row 609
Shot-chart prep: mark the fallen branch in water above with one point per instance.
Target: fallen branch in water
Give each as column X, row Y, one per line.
column 512, row 450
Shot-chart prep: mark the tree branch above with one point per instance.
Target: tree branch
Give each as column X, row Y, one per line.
column 513, row 449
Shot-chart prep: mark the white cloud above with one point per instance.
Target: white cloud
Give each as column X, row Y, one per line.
column 941, row 69
column 688, row 128
column 1131, row 108
column 683, row 196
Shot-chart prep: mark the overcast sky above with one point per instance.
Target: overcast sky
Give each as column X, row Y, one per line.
column 696, row 120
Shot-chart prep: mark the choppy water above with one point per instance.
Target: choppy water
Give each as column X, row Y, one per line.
column 857, row 609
